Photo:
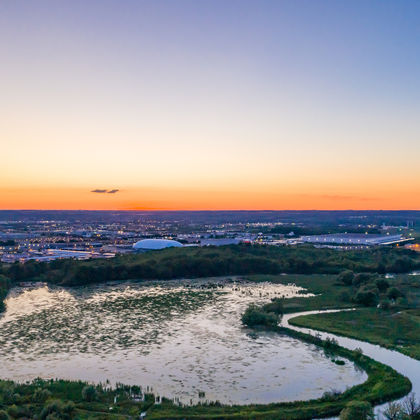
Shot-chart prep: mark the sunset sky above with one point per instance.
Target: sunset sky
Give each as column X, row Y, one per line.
column 212, row 104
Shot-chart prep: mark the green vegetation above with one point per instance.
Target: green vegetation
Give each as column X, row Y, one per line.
column 211, row 261
column 5, row 285
column 394, row 324
column 255, row 316
column 58, row 399
column 357, row 410
column 263, row 316
column 399, row 330
column 327, row 290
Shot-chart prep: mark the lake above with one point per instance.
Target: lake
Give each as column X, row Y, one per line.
column 179, row 339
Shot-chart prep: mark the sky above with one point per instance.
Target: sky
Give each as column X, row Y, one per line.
column 209, row 104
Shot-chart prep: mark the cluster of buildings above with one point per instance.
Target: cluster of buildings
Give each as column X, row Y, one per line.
column 48, row 240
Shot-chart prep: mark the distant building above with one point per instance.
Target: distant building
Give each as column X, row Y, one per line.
column 155, row 244
column 413, row 247
column 353, row 239
column 219, row 241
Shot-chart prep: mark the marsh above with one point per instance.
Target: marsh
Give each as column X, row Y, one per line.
column 180, row 339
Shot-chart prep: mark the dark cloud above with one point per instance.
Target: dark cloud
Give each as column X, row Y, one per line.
column 100, row 191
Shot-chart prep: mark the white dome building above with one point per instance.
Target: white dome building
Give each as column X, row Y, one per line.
column 155, row 244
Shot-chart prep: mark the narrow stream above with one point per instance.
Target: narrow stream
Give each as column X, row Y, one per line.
column 403, row 364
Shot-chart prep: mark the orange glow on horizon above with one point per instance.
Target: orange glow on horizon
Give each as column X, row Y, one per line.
column 177, row 199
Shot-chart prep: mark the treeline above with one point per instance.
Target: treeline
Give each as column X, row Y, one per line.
column 66, row 400
column 5, row 285
column 212, row 261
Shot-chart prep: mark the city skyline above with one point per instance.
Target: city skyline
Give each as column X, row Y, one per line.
column 210, row 105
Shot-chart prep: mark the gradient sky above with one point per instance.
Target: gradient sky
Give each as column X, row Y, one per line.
column 217, row 104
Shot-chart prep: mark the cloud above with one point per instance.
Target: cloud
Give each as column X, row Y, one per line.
column 101, row 191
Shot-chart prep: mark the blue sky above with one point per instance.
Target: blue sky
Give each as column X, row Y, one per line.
column 321, row 98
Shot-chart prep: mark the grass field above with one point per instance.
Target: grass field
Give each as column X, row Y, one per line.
column 396, row 330
column 324, row 286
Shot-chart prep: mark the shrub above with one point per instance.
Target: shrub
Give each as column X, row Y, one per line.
column 13, row 411
column 276, row 306
column 402, row 302
column 382, row 285
column 41, row 395
column 346, row 277
column 385, row 304
column 255, row 316
column 332, row 395
column 18, row 411
column 57, row 410
column 4, row 282
column 89, row 393
column 357, row 410
column 4, row 415
column 366, row 297
column 362, row 278
column 394, row 293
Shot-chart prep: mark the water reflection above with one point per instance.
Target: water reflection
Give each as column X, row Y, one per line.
column 182, row 339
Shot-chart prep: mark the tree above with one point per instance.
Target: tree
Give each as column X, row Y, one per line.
column 89, row 393
column 4, row 415
column 366, row 297
column 4, row 282
column 58, row 410
column 394, row 293
column 411, row 406
column 346, row 277
column 357, row 410
column 41, row 395
column 362, row 278
column 382, row 285
column 393, row 411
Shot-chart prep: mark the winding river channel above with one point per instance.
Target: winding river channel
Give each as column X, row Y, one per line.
column 403, row 364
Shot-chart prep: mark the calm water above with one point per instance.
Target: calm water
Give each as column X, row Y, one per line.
column 175, row 338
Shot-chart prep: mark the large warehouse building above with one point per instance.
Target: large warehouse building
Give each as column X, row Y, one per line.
column 354, row 239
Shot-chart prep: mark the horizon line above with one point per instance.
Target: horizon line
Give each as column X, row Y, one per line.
column 209, row 210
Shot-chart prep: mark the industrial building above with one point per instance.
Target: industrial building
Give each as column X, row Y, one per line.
column 354, row 239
